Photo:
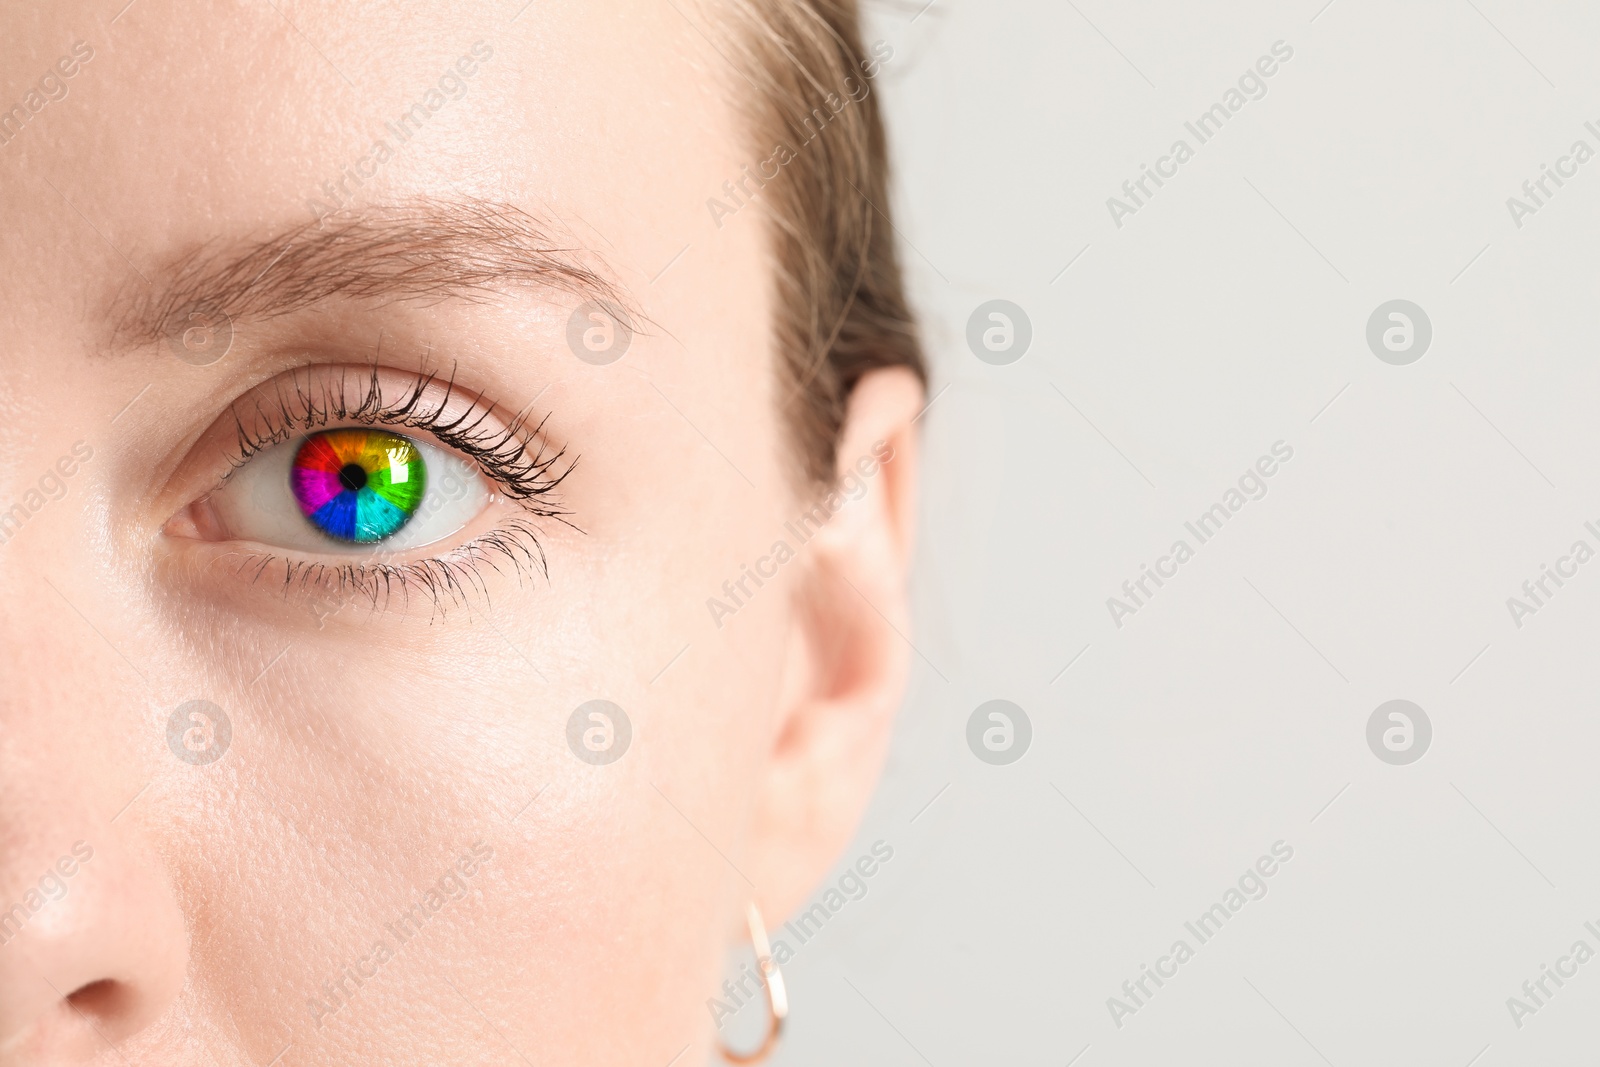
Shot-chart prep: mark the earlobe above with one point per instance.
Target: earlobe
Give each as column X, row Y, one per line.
column 848, row 654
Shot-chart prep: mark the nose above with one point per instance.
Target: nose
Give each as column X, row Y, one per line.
column 92, row 946
column 93, row 942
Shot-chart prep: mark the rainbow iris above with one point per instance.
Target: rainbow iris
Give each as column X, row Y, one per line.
column 358, row 485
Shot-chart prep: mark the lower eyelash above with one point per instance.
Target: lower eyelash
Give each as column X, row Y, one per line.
column 452, row 580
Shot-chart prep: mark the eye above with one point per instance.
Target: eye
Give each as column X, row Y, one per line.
column 350, row 489
column 369, row 482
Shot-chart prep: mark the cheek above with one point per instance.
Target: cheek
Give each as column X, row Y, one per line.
column 361, row 802
column 389, row 758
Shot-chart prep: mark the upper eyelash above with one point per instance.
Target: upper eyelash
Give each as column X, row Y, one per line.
column 527, row 473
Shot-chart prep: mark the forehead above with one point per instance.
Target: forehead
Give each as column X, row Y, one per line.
column 190, row 124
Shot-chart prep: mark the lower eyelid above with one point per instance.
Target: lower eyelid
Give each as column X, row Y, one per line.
column 312, row 590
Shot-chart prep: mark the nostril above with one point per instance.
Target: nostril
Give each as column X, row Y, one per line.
column 100, row 1000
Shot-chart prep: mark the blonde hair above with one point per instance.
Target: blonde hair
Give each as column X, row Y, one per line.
column 840, row 308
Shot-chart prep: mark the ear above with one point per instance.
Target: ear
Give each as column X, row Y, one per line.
column 848, row 656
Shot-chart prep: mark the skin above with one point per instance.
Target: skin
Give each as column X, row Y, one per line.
column 374, row 746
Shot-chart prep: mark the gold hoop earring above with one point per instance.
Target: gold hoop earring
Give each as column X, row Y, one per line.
column 777, row 996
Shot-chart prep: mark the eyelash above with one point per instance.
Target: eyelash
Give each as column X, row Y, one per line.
column 528, row 473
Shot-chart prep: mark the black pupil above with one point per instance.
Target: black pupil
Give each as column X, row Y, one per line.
column 353, row 476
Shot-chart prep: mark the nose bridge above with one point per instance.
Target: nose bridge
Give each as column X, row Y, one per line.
column 52, row 564
column 47, row 644
column 59, row 769
column 71, row 694
column 67, row 700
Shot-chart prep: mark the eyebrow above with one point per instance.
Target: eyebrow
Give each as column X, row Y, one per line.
column 423, row 249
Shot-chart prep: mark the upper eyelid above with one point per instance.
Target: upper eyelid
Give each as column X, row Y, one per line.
column 510, row 450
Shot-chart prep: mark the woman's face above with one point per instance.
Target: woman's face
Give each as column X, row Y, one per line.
column 396, row 829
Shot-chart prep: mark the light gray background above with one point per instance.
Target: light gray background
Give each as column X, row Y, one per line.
column 1226, row 315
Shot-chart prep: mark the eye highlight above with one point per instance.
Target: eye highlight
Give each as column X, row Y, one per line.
column 358, row 485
